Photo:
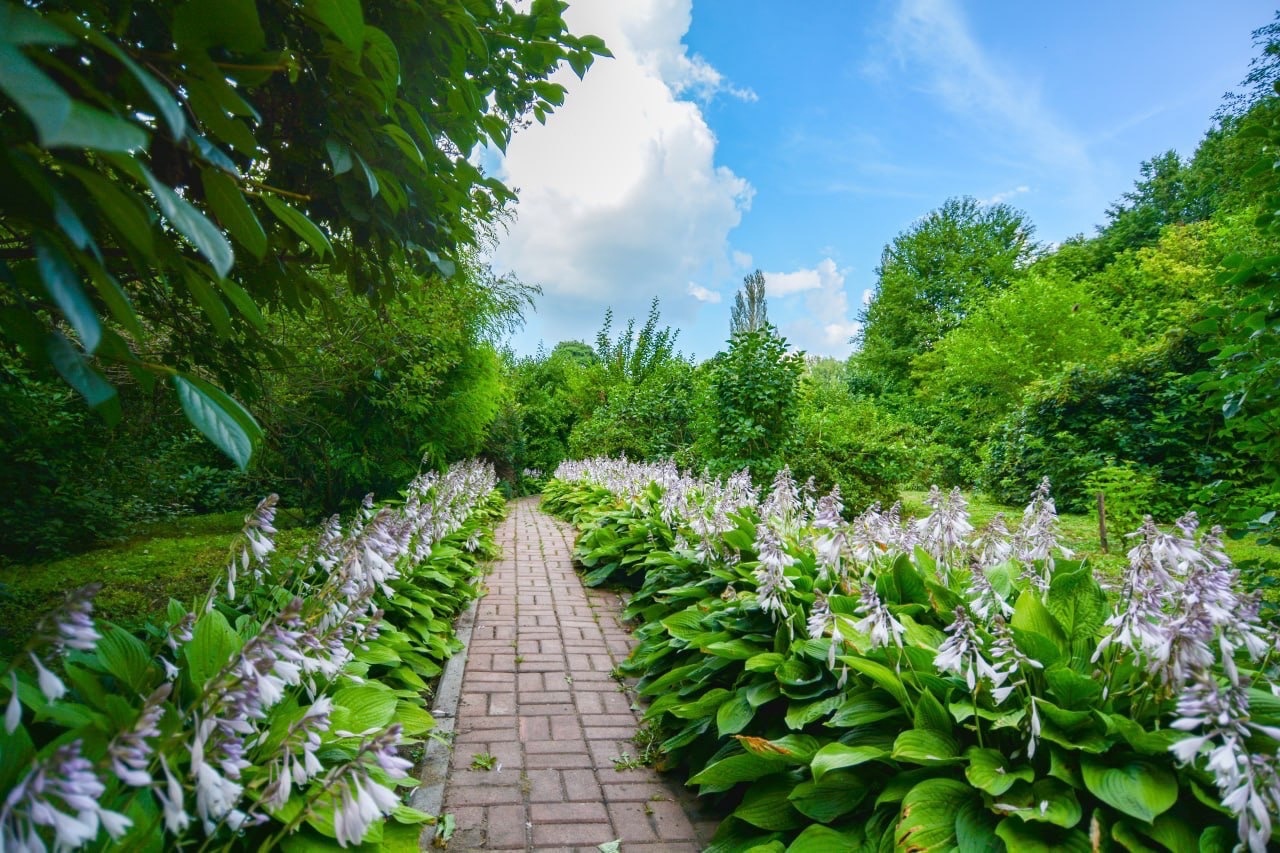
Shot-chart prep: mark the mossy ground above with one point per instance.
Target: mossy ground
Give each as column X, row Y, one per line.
column 178, row 558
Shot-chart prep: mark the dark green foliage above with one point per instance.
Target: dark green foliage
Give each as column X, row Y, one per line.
column 286, row 140
column 846, row 441
column 650, row 419
column 1141, row 409
column 752, row 394
column 368, row 393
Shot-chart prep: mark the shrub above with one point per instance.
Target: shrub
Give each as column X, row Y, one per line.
column 884, row 684
column 267, row 714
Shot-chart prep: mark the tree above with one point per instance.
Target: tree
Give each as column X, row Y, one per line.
column 753, row 396
column 171, row 170
column 749, row 311
column 932, row 275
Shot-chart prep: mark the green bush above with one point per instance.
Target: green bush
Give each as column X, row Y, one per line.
column 874, row 686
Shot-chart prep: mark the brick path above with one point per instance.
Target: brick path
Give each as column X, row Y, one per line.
column 538, row 696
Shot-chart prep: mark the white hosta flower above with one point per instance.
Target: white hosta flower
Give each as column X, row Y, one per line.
column 50, row 684
column 961, row 654
column 60, row 794
column 13, row 711
column 877, row 622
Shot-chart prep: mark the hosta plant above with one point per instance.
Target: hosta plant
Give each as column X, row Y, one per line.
column 270, row 713
column 888, row 683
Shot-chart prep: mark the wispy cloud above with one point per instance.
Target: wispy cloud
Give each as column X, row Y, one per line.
column 823, row 326
column 702, row 294
column 1002, row 197
column 934, row 37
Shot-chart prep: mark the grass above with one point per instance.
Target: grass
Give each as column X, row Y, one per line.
column 177, row 558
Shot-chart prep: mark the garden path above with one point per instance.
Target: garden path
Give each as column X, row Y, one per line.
column 539, row 697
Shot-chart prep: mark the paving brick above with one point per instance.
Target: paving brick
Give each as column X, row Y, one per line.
column 556, row 720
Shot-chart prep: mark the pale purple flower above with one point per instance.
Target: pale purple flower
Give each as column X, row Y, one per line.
column 942, row 533
column 772, row 583
column 962, row 654
column 59, row 794
column 985, row 602
column 130, row 750
column 877, row 622
column 13, row 711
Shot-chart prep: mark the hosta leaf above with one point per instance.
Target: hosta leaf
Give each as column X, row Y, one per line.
column 1030, row 615
column 213, row 642
column 744, row 767
column 927, row 819
column 794, row 749
column 1077, row 602
column 880, row 674
column 766, row 662
column 767, row 806
column 1138, row 788
column 925, row 747
column 733, row 649
column 861, row 708
column 801, row 714
column 990, row 771
column 125, row 656
column 931, row 716
column 1049, row 800
column 836, row 755
column 976, row 829
column 823, row 839
column 362, row 708
column 1023, row 837
column 837, row 794
column 734, row 715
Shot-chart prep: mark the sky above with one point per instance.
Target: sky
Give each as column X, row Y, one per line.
column 800, row 138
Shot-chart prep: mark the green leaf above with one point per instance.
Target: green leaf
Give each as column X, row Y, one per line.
column 61, row 122
column 766, row 662
column 801, row 714
column 1049, row 800
column 823, row 839
column 926, row 747
column 344, row 18
column 339, row 156
column 733, row 649
column 862, row 708
column 166, row 103
column 1023, row 837
column 233, row 24
column 124, row 656
column 794, row 749
column 767, row 806
column 825, row 800
column 931, row 716
column 243, row 302
column 193, row 225
column 219, row 417
column 990, row 771
column 362, row 709
column 1078, row 603
column 734, row 715
column 300, row 225
column 224, row 198
column 976, row 829
column 80, row 375
column 213, row 642
column 1072, row 690
column 19, row 25
column 210, row 303
column 1029, row 614
column 743, row 767
column 880, row 674
column 1138, row 788
column 63, row 286
column 927, row 821
column 834, row 756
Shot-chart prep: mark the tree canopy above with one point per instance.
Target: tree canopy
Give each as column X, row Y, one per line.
column 171, row 170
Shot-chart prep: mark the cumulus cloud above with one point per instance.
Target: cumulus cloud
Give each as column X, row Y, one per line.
column 701, row 293
column 822, row 325
column 620, row 196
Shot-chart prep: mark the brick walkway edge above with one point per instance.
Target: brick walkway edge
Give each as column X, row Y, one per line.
column 539, row 698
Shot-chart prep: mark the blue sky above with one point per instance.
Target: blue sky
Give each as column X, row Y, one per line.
column 801, row 138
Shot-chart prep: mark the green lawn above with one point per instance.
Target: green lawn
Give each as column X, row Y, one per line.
column 178, row 559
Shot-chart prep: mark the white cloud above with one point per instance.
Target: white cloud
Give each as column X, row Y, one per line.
column 786, row 283
column 934, row 35
column 741, row 260
column 1002, row 197
column 701, row 294
column 620, row 196
column 821, row 324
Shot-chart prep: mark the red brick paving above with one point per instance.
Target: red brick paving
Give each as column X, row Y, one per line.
column 538, row 695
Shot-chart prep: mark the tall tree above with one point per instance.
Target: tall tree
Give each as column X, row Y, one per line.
column 932, row 275
column 749, row 312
